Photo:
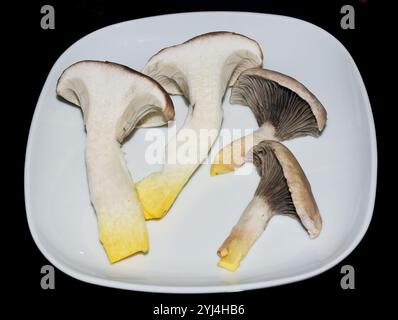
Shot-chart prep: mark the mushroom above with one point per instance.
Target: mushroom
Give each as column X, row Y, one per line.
column 283, row 107
column 114, row 98
column 200, row 69
column 283, row 189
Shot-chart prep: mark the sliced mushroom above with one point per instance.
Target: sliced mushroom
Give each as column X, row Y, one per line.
column 283, row 107
column 283, row 189
column 113, row 98
column 200, row 69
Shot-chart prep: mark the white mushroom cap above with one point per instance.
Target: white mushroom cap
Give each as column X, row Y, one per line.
column 221, row 56
column 115, row 95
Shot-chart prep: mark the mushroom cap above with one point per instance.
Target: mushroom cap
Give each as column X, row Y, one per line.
column 114, row 95
column 212, row 56
column 286, row 103
column 284, row 186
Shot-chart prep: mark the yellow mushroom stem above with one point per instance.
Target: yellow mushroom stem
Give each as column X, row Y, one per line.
column 243, row 235
column 235, row 154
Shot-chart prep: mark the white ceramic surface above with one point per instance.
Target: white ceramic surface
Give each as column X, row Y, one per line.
column 341, row 166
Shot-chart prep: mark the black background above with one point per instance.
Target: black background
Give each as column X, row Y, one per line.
column 34, row 51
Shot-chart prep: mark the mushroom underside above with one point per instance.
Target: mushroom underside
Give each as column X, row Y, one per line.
column 289, row 114
column 273, row 187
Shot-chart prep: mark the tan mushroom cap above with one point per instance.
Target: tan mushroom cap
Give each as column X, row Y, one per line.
column 299, row 187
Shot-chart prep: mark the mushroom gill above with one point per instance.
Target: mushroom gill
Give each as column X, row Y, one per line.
column 272, row 188
column 289, row 114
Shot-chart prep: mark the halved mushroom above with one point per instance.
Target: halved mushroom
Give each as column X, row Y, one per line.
column 200, row 69
column 283, row 107
column 283, row 189
column 114, row 99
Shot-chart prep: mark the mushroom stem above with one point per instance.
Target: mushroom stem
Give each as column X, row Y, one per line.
column 235, row 154
column 184, row 153
column 250, row 226
column 122, row 229
column 200, row 69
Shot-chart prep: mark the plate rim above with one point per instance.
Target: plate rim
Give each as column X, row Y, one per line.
column 213, row 288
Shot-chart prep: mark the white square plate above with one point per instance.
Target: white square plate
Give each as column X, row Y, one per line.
column 341, row 166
